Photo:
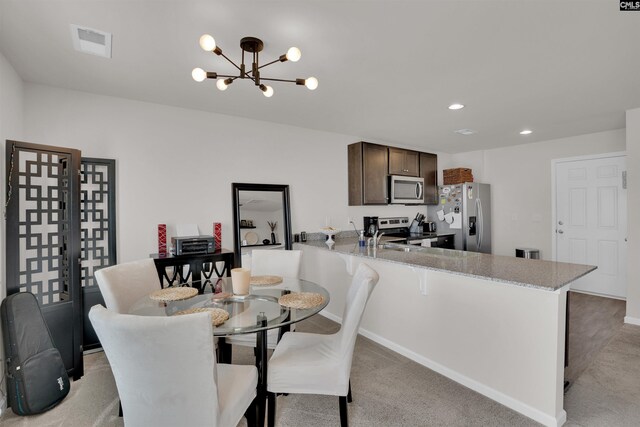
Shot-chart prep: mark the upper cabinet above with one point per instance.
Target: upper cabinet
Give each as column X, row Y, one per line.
column 368, row 165
column 404, row 162
column 371, row 164
column 429, row 171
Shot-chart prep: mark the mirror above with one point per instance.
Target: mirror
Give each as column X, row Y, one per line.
column 261, row 218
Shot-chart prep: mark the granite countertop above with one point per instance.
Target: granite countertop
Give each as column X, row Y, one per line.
column 533, row 273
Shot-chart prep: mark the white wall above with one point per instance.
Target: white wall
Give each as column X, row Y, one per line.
column 176, row 165
column 11, row 95
column 633, row 207
column 520, row 178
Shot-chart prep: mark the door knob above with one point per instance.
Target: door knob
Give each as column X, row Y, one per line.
column 560, row 232
column 560, row 223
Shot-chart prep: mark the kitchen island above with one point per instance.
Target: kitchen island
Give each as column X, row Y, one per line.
column 494, row 324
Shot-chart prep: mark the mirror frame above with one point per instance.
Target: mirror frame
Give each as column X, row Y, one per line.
column 236, row 188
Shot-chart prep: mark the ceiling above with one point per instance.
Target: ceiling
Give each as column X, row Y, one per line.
column 387, row 69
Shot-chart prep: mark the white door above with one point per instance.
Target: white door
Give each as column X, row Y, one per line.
column 591, row 222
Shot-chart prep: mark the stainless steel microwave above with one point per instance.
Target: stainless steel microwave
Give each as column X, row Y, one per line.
column 406, row 190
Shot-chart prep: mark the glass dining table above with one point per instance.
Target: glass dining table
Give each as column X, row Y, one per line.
column 256, row 312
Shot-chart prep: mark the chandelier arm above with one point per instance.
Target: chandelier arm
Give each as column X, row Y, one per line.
column 227, row 58
column 278, row 80
column 269, row 63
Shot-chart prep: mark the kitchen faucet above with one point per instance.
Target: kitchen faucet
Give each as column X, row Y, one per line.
column 375, row 239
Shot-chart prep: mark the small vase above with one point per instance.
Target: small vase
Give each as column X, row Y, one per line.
column 273, row 238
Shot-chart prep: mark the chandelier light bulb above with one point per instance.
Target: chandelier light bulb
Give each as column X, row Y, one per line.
column 268, row 91
column 222, row 85
column 294, row 54
column 207, row 42
column 198, row 74
column 311, row 83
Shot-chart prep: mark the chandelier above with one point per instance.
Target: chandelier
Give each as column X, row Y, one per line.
column 253, row 46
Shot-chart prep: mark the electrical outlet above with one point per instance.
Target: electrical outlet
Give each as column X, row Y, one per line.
column 350, row 220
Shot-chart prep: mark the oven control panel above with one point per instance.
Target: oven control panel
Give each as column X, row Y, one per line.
column 393, row 222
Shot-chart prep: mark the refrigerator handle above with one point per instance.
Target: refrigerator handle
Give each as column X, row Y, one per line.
column 480, row 221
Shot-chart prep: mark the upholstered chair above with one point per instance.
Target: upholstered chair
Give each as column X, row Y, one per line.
column 321, row 364
column 123, row 284
column 269, row 262
column 166, row 374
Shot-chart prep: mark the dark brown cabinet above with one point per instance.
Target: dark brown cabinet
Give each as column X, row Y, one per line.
column 404, row 162
column 368, row 165
column 371, row 164
column 429, row 171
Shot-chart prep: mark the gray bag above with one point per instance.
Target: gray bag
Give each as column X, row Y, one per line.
column 36, row 377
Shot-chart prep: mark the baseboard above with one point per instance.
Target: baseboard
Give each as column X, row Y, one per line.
column 595, row 294
column 474, row 385
column 632, row 320
column 331, row 316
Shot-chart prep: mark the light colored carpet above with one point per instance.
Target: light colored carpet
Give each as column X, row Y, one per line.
column 390, row 390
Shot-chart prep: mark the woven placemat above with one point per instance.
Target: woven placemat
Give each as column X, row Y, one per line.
column 301, row 300
column 174, row 294
column 218, row 315
column 265, row 280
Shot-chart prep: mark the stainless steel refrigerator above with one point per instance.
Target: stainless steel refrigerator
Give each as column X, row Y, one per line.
column 465, row 211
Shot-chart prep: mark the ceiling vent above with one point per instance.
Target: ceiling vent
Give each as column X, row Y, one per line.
column 88, row 40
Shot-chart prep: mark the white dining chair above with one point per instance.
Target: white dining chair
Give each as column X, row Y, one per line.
column 285, row 263
column 310, row 363
column 123, row 284
column 269, row 262
column 166, row 371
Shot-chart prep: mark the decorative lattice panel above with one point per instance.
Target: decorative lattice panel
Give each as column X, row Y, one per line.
column 43, row 225
column 97, row 217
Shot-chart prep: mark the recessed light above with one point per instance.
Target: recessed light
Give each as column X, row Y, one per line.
column 456, row 107
column 465, row 131
column 526, row 132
